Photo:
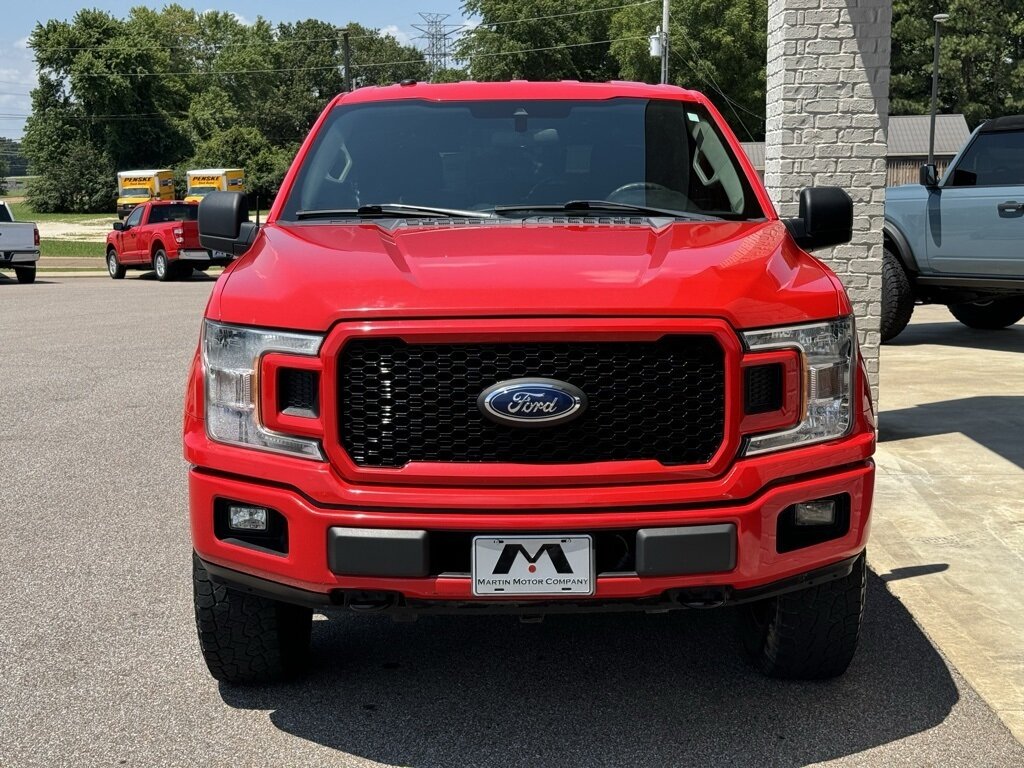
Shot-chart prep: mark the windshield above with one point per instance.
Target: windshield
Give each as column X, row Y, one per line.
column 482, row 155
column 136, row 192
column 201, row 190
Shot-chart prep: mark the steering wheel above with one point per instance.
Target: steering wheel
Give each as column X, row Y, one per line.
column 636, row 186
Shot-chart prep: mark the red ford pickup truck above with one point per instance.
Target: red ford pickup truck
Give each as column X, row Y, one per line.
column 161, row 235
column 529, row 348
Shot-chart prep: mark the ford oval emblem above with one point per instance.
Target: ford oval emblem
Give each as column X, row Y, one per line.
column 532, row 402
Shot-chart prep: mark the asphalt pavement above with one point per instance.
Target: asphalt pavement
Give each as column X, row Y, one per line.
column 99, row 663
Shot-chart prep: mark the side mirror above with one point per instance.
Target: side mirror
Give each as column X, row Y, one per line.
column 119, row 226
column 224, row 223
column 826, row 218
column 929, row 176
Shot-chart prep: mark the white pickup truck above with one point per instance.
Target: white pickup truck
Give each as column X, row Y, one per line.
column 19, row 245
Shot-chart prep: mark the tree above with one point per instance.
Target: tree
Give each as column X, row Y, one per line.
column 571, row 36
column 81, row 184
column 715, row 46
column 981, row 72
column 3, row 176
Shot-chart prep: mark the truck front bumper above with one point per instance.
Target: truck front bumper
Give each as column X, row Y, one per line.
column 737, row 557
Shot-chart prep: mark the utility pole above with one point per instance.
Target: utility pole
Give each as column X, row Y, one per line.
column 939, row 19
column 346, row 51
column 664, row 42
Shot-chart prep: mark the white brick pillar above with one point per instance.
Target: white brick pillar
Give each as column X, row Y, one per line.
column 827, row 116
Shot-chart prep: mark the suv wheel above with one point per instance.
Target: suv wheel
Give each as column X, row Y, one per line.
column 114, row 267
column 245, row 638
column 162, row 266
column 25, row 274
column 989, row 315
column 897, row 297
column 810, row 634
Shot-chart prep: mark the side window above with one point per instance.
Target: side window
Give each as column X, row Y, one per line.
column 993, row 160
column 134, row 217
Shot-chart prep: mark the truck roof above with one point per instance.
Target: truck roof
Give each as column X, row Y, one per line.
column 211, row 171
column 472, row 90
column 1007, row 123
column 121, row 174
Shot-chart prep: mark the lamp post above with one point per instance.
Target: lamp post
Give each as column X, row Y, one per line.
column 939, row 19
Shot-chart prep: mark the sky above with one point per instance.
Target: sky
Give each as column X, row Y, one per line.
column 17, row 68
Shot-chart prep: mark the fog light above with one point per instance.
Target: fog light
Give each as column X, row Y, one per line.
column 247, row 518
column 821, row 512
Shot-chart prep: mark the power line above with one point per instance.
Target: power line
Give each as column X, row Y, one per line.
column 713, row 84
column 436, row 34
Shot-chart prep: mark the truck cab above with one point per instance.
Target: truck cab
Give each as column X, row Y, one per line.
column 137, row 187
column 527, row 348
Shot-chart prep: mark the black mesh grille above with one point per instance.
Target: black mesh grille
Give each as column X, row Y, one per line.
column 763, row 385
column 662, row 400
column 298, row 392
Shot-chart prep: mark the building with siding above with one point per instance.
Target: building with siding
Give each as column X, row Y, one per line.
column 907, row 147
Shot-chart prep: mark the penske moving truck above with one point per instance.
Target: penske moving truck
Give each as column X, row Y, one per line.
column 203, row 181
column 135, row 187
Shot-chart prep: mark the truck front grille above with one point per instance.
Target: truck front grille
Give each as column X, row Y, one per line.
column 662, row 400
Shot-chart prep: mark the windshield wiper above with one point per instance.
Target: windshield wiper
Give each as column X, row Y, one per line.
column 605, row 205
column 391, row 210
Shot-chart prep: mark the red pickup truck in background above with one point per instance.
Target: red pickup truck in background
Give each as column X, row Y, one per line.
column 162, row 235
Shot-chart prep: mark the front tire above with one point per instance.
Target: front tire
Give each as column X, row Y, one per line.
column 989, row 315
column 114, row 268
column 245, row 638
column 165, row 271
column 897, row 297
column 25, row 274
column 810, row 634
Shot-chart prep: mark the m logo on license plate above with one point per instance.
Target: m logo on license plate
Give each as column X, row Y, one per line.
column 532, row 565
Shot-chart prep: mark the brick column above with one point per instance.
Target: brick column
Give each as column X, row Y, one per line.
column 827, row 116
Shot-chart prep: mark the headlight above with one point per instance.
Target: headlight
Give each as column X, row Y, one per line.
column 231, row 358
column 828, row 352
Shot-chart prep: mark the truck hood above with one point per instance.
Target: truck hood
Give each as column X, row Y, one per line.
column 309, row 276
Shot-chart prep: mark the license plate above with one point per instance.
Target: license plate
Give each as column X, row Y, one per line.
column 533, row 565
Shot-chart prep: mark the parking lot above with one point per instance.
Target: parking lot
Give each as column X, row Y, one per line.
column 100, row 664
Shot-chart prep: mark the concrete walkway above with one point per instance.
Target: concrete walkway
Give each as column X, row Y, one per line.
column 948, row 532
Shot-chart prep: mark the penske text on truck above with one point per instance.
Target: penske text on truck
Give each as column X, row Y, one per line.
column 135, row 187
column 203, row 181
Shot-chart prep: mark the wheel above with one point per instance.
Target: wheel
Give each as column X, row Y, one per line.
column 162, row 266
column 25, row 274
column 989, row 315
column 245, row 638
column 810, row 634
column 114, row 267
column 897, row 297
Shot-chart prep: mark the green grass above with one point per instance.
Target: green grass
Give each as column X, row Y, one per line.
column 71, row 249
column 23, row 212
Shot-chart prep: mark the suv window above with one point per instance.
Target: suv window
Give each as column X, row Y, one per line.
column 480, row 154
column 992, row 160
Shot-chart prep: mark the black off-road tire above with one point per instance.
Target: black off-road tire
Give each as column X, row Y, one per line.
column 163, row 267
column 810, row 634
column 990, row 315
column 897, row 297
column 114, row 267
column 246, row 639
column 25, row 274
